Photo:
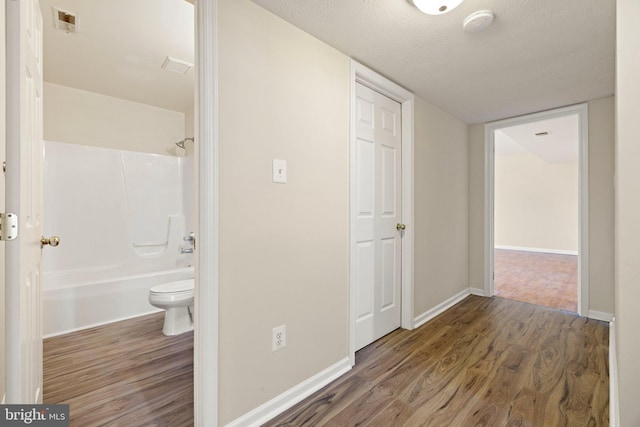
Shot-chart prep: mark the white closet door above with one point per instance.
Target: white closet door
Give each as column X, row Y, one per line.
column 377, row 245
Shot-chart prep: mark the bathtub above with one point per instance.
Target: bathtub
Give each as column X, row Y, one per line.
column 82, row 304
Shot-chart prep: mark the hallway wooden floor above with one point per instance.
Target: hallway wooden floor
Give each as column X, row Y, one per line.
column 538, row 278
column 485, row 362
column 124, row 374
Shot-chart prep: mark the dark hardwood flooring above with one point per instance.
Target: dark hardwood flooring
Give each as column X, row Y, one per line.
column 539, row 278
column 485, row 362
column 123, row 374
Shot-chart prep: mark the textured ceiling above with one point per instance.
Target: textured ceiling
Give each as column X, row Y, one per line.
column 537, row 54
column 119, row 48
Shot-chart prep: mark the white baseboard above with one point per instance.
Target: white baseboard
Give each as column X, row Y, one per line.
column 614, row 408
column 430, row 314
column 600, row 315
column 107, row 322
column 477, row 291
column 279, row 404
column 543, row 250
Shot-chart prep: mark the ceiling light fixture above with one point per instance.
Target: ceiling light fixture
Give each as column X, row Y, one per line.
column 436, row 7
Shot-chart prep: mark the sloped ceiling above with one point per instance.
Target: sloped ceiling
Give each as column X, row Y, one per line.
column 537, row 55
column 119, row 47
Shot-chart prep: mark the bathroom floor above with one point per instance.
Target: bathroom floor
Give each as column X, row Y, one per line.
column 122, row 374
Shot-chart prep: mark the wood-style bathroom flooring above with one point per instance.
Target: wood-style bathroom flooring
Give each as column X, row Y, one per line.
column 538, row 278
column 122, row 374
column 484, row 362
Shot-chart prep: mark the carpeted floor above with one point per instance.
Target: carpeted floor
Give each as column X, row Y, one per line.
column 539, row 278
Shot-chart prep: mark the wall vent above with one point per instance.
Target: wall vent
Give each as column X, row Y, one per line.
column 176, row 65
column 65, row 21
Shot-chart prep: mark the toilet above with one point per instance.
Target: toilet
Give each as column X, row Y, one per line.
column 176, row 299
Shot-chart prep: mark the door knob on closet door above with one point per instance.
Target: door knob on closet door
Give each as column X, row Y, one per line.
column 400, row 227
column 51, row 241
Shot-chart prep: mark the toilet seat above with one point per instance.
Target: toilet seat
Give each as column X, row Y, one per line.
column 179, row 287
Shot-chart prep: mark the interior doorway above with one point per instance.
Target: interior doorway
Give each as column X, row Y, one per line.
column 361, row 75
column 537, row 231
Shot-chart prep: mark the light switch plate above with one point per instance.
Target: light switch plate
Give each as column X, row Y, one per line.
column 279, row 171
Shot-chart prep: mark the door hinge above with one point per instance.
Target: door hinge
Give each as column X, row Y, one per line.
column 8, row 226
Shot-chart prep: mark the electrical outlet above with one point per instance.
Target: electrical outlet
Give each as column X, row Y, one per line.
column 279, row 338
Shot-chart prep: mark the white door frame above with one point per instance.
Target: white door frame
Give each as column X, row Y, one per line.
column 583, row 165
column 205, row 369
column 373, row 80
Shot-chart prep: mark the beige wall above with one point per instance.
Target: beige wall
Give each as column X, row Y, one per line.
column 283, row 247
column 601, row 204
column 627, row 242
column 601, row 259
column 87, row 118
column 2, row 158
column 536, row 203
column 476, row 206
column 441, row 207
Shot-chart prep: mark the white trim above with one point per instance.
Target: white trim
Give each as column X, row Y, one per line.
column 206, row 256
column 583, row 256
column 373, row 80
column 614, row 407
column 600, row 315
column 107, row 322
column 477, row 291
column 440, row 308
column 540, row 250
column 286, row 400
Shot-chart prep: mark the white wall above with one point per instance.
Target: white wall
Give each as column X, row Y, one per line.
column 536, row 203
column 189, row 170
column 86, row 118
column 627, row 239
column 601, row 149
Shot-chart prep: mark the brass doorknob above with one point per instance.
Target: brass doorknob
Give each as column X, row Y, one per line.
column 51, row 241
column 400, row 227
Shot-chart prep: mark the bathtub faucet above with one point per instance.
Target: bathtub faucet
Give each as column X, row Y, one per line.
column 191, row 240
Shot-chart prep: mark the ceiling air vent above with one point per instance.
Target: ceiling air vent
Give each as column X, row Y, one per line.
column 65, row 21
column 176, row 65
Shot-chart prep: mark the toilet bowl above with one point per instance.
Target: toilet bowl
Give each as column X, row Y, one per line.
column 176, row 299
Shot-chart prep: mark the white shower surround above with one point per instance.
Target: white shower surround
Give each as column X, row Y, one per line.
column 121, row 219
